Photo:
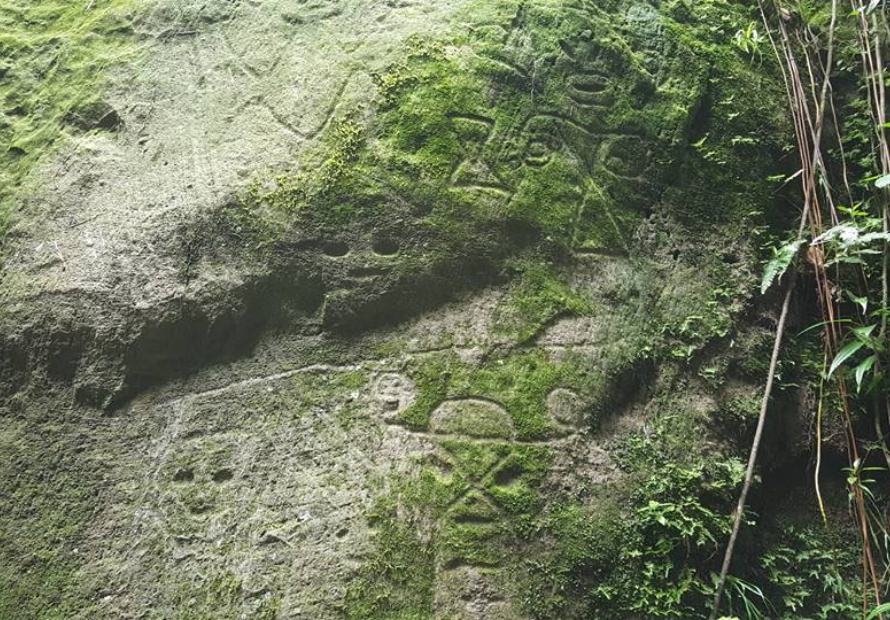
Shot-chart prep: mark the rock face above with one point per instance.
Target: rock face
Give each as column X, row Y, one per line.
column 358, row 308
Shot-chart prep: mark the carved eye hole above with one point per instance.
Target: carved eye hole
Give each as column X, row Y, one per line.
column 507, row 477
column 184, row 475
column 223, row 475
column 335, row 249
column 538, row 153
column 385, row 247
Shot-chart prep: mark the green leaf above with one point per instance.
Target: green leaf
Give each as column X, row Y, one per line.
column 883, row 182
column 823, row 324
column 863, row 333
column 844, row 231
column 779, row 264
column 877, row 611
column 875, row 236
column 863, row 368
column 862, row 302
column 846, row 353
column 848, row 260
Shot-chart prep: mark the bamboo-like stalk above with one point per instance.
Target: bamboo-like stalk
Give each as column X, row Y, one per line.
column 755, row 447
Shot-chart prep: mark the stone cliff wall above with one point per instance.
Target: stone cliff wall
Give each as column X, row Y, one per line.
column 383, row 309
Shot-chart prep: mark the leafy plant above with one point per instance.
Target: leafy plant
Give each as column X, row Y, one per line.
column 748, row 39
column 779, row 264
column 750, row 596
column 848, row 259
column 681, row 514
column 805, row 576
column 877, row 611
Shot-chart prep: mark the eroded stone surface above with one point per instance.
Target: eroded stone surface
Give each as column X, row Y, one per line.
column 356, row 301
column 268, row 481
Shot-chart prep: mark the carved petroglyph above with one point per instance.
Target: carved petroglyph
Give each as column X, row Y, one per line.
column 479, row 465
column 213, row 490
column 258, row 72
column 474, row 514
column 260, row 381
column 589, row 86
column 313, row 11
column 513, row 58
column 566, row 410
column 196, row 484
column 473, row 504
column 538, row 141
column 394, row 393
column 490, row 152
column 472, row 418
column 474, row 171
column 480, row 469
column 240, row 61
column 353, row 270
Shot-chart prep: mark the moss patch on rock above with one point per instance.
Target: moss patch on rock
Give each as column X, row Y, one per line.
column 54, row 58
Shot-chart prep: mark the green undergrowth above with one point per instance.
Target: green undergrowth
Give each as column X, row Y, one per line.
column 648, row 553
column 681, row 516
column 805, row 571
column 53, row 58
column 651, row 545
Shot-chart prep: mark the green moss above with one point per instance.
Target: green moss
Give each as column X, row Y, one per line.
column 579, row 547
column 397, row 583
column 703, row 309
column 723, row 171
column 220, row 595
column 313, row 390
column 47, row 497
column 536, row 298
column 54, row 58
column 520, row 382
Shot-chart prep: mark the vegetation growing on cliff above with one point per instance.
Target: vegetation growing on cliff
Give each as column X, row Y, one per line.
column 845, row 227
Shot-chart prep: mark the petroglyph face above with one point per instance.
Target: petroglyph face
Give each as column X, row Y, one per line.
column 531, row 129
column 544, row 132
column 199, row 484
column 393, row 393
column 365, row 272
